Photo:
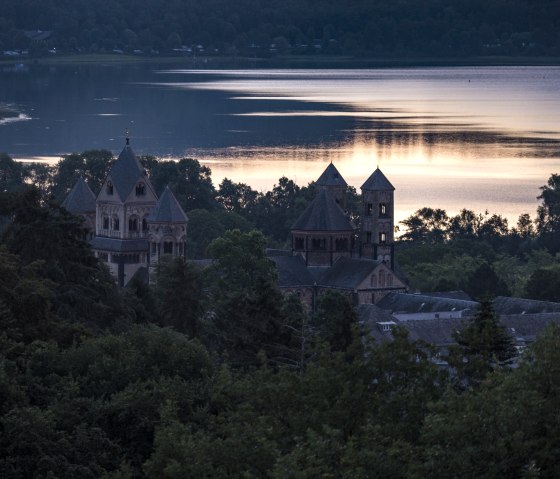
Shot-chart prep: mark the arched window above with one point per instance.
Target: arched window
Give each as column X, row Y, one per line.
column 168, row 247
column 133, row 224
column 140, row 189
column 105, row 222
column 116, row 224
column 109, row 188
column 383, row 209
column 382, row 237
column 144, row 224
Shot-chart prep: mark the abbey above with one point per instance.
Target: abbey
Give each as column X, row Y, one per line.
column 329, row 252
column 130, row 227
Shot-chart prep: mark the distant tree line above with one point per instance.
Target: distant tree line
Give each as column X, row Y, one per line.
column 381, row 28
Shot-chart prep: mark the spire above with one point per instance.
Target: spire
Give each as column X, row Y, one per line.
column 127, row 137
column 378, row 181
column 80, row 199
column 331, row 177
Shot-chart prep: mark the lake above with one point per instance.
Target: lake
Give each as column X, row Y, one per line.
column 482, row 138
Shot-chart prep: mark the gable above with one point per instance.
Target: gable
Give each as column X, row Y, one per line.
column 381, row 277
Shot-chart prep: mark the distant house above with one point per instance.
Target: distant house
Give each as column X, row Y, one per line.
column 38, row 35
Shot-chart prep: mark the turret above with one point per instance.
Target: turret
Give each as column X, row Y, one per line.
column 377, row 219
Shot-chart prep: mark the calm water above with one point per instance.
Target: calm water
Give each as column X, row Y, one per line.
column 481, row 138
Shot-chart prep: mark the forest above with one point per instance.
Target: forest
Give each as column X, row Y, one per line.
column 265, row 28
column 214, row 374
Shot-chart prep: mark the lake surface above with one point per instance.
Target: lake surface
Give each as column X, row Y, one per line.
column 482, row 138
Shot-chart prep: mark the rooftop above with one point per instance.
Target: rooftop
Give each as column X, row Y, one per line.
column 323, row 214
column 168, row 209
column 378, row 182
column 80, row 199
column 331, row 177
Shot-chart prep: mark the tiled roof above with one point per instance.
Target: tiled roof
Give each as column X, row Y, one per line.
column 347, row 273
column 331, row 177
column 168, row 209
column 419, row 303
column 323, row 214
column 119, row 245
column 292, row 271
column 378, row 181
column 505, row 305
column 371, row 316
column 126, row 172
column 80, row 199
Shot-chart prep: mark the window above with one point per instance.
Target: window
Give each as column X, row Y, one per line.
column 140, row 189
column 369, row 209
column 368, row 237
column 144, row 224
column 382, row 238
column 105, row 222
column 168, row 247
column 299, row 243
column 109, row 188
column 382, row 209
column 132, row 224
column 116, row 224
column 319, row 243
column 341, row 244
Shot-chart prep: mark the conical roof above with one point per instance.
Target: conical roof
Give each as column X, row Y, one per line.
column 331, row 177
column 378, row 181
column 168, row 209
column 80, row 199
column 126, row 172
column 323, row 214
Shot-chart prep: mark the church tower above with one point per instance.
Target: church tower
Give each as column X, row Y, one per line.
column 167, row 228
column 334, row 183
column 377, row 219
column 124, row 203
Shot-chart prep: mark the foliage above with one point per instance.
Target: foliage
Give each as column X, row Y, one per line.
column 386, row 29
column 92, row 165
column 482, row 345
column 179, row 295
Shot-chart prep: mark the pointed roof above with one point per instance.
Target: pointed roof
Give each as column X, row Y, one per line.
column 378, row 181
column 80, row 199
column 126, row 172
column 331, row 177
column 323, row 214
column 168, row 209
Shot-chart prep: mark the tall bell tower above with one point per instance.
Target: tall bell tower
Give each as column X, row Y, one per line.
column 377, row 219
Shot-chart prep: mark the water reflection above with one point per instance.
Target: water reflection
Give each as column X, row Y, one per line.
column 482, row 138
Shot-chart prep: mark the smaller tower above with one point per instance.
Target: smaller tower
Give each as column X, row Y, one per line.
column 377, row 219
column 81, row 202
column 167, row 228
column 335, row 184
column 323, row 233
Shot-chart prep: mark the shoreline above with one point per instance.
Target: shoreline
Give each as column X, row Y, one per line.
column 289, row 61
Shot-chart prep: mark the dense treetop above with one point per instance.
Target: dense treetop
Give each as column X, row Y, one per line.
column 382, row 28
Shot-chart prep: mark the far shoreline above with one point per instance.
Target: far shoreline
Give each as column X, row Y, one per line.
column 288, row 61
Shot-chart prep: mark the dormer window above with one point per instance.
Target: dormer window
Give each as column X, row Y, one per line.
column 109, row 188
column 140, row 189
